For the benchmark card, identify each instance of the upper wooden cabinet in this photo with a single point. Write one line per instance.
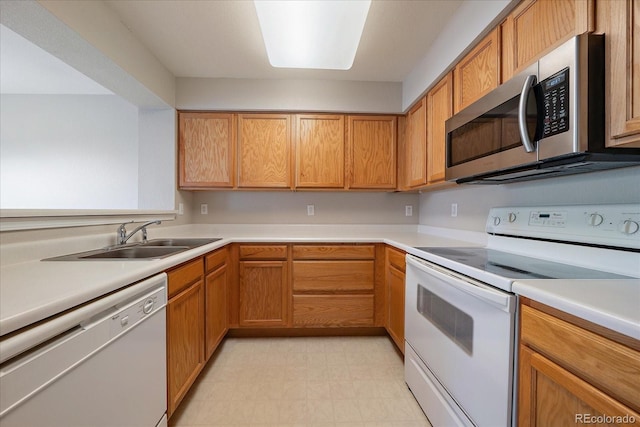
(415, 145)
(372, 152)
(264, 150)
(439, 109)
(620, 21)
(319, 147)
(536, 26)
(478, 72)
(206, 150)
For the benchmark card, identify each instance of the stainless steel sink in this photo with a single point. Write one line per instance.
(189, 242)
(153, 249)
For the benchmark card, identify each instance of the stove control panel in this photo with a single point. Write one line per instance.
(609, 225)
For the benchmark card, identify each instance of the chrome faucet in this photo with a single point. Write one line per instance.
(123, 236)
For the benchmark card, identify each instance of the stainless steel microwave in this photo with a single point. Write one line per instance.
(546, 121)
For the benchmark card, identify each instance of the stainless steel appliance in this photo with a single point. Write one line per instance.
(102, 364)
(546, 121)
(460, 313)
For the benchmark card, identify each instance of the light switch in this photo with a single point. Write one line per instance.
(311, 210)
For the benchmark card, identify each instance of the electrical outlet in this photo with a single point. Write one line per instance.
(204, 209)
(180, 208)
(408, 210)
(454, 209)
(311, 210)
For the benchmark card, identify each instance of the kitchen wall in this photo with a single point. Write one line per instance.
(474, 201)
(68, 151)
(246, 207)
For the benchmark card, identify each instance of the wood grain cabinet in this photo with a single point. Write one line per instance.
(216, 299)
(263, 286)
(439, 110)
(334, 285)
(536, 26)
(320, 151)
(620, 21)
(264, 151)
(570, 369)
(372, 142)
(395, 275)
(206, 146)
(478, 72)
(185, 330)
(415, 146)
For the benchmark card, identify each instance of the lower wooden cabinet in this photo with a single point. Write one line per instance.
(216, 299)
(263, 290)
(395, 275)
(570, 374)
(185, 330)
(333, 285)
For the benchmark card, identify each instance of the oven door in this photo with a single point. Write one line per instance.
(463, 333)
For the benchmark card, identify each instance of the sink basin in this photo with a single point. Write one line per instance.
(137, 252)
(153, 249)
(188, 242)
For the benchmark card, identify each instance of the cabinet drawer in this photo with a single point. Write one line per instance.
(216, 259)
(333, 310)
(333, 276)
(180, 278)
(263, 252)
(606, 364)
(396, 258)
(334, 252)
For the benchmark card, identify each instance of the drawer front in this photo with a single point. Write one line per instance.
(608, 365)
(263, 251)
(334, 252)
(216, 259)
(333, 310)
(333, 276)
(180, 278)
(396, 258)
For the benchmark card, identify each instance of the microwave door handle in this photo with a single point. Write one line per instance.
(522, 113)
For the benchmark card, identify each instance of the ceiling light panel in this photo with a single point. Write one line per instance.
(320, 34)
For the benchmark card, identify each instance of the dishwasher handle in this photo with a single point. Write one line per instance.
(82, 316)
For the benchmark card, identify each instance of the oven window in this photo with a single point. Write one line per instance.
(490, 133)
(452, 321)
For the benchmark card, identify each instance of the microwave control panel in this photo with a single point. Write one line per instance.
(555, 102)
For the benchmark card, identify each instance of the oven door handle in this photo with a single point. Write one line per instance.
(503, 300)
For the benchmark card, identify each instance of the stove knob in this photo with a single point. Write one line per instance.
(512, 217)
(496, 220)
(595, 219)
(629, 227)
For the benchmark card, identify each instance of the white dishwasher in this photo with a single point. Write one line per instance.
(102, 364)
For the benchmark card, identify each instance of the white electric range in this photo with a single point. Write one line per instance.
(461, 310)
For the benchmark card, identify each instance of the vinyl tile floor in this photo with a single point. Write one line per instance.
(287, 382)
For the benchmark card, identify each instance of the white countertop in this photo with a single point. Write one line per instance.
(32, 290)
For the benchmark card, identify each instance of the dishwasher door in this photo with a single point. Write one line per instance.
(109, 369)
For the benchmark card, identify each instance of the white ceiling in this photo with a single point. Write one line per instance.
(222, 39)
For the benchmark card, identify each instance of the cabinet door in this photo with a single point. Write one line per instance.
(478, 72)
(264, 150)
(395, 323)
(536, 26)
(372, 152)
(416, 145)
(263, 293)
(320, 155)
(624, 72)
(185, 342)
(206, 150)
(439, 109)
(552, 396)
(216, 322)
